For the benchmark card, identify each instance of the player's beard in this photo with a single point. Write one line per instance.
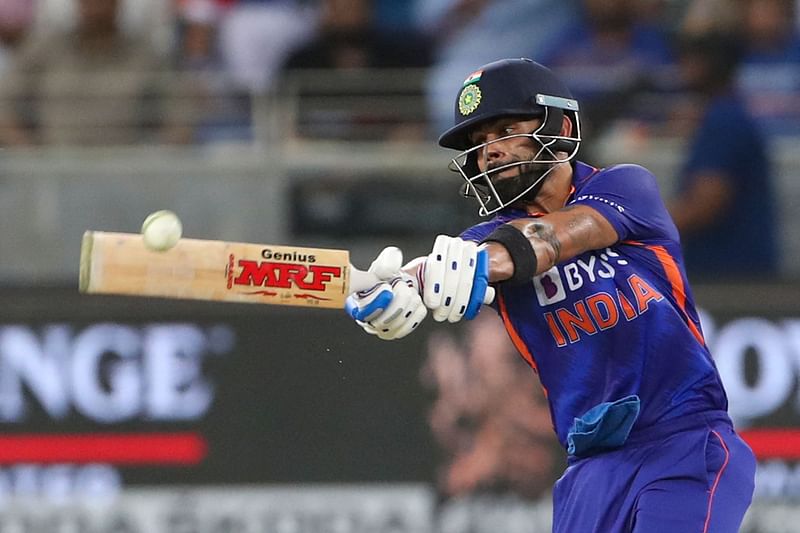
(529, 175)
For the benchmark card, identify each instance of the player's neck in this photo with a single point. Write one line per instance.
(554, 193)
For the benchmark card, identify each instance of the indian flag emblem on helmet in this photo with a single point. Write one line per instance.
(474, 77)
(469, 99)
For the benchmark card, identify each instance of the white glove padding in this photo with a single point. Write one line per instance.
(391, 309)
(455, 279)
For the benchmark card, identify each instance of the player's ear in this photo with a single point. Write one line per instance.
(566, 126)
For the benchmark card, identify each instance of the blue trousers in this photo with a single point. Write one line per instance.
(692, 475)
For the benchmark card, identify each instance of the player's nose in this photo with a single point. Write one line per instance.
(493, 150)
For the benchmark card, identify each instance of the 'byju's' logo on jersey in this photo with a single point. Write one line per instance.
(549, 287)
(552, 286)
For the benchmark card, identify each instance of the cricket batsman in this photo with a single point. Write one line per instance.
(589, 281)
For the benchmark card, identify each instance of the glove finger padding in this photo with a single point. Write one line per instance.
(466, 280)
(403, 315)
(366, 305)
(450, 279)
(390, 310)
(401, 298)
(433, 278)
(449, 276)
(366, 326)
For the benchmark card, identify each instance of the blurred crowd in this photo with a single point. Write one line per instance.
(189, 72)
(617, 56)
(111, 72)
(723, 73)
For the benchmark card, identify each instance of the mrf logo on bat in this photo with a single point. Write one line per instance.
(290, 270)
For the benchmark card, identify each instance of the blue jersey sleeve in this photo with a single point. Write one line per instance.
(480, 231)
(628, 197)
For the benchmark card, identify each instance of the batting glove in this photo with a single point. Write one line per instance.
(456, 279)
(393, 308)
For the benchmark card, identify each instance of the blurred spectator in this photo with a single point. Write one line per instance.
(489, 416)
(471, 33)
(16, 18)
(348, 41)
(725, 207)
(257, 36)
(197, 23)
(608, 58)
(394, 15)
(770, 73)
(151, 19)
(220, 110)
(710, 16)
(348, 37)
(91, 85)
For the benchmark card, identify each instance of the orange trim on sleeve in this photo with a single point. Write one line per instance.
(519, 344)
(676, 281)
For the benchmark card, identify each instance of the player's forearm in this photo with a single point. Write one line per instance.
(546, 247)
(554, 238)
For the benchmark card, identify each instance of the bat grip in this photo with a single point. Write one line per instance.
(361, 280)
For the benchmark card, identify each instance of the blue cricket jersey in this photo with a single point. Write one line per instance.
(615, 322)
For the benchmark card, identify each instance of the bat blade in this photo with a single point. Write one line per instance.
(195, 269)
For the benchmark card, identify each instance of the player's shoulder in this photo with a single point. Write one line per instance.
(624, 176)
(620, 170)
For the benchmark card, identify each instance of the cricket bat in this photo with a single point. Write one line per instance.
(195, 269)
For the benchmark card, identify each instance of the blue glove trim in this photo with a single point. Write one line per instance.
(479, 285)
(379, 303)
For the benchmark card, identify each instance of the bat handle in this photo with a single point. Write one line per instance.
(361, 280)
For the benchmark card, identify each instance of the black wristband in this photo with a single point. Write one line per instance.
(519, 248)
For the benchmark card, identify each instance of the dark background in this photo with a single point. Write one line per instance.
(305, 395)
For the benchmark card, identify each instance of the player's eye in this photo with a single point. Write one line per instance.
(477, 138)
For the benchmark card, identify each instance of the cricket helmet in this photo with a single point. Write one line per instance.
(511, 88)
